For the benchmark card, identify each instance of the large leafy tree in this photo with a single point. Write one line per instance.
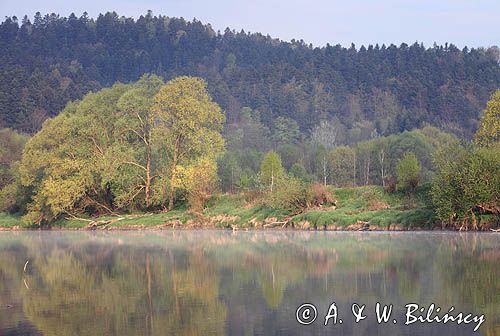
(192, 122)
(120, 148)
(63, 164)
(467, 183)
(138, 161)
(489, 127)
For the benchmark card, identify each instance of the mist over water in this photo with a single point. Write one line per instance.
(243, 283)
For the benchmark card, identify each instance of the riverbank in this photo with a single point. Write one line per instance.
(354, 209)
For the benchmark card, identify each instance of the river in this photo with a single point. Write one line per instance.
(245, 283)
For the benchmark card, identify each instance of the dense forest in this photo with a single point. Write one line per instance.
(154, 146)
(367, 90)
(112, 115)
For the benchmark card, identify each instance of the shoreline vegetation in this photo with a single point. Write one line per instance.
(367, 208)
(177, 124)
(155, 154)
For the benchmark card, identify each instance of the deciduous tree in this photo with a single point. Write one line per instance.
(408, 172)
(192, 122)
(489, 126)
(271, 169)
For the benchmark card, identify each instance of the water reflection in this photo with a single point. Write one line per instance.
(248, 283)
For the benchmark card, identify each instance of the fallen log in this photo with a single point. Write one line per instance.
(274, 224)
(102, 223)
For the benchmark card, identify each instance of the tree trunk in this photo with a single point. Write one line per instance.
(148, 175)
(382, 170)
(367, 173)
(272, 177)
(172, 175)
(354, 170)
(324, 171)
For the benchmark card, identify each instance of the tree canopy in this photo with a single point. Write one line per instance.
(489, 126)
(122, 148)
(51, 60)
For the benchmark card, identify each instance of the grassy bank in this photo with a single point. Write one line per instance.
(361, 207)
(375, 207)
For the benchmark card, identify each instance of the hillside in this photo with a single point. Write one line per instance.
(368, 89)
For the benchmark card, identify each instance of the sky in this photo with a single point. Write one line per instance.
(472, 23)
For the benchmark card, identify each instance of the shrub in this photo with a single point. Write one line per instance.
(293, 194)
(318, 194)
(408, 172)
(390, 185)
(289, 194)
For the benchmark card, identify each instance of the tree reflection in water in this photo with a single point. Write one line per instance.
(214, 283)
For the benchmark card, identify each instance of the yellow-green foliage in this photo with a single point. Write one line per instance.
(289, 193)
(198, 180)
(467, 184)
(489, 127)
(192, 123)
(271, 169)
(118, 148)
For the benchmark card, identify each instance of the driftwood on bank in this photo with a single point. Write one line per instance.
(275, 224)
(284, 223)
(94, 224)
(102, 223)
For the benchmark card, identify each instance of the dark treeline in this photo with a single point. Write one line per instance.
(51, 60)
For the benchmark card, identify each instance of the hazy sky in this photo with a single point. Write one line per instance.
(462, 22)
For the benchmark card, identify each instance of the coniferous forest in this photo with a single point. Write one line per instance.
(50, 60)
(116, 115)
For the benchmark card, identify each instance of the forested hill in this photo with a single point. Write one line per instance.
(387, 89)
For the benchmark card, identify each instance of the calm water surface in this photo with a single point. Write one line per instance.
(244, 283)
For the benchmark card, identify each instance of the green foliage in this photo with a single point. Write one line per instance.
(79, 161)
(343, 163)
(371, 204)
(54, 60)
(191, 123)
(9, 221)
(408, 172)
(11, 148)
(289, 194)
(248, 133)
(271, 170)
(292, 194)
(229, 171)
(368, 204)
(249, 181)
(114, 150)
(489, 126)
(299, 172)
(286, 131)
(467, 183)
(12, 194)
(198, 180)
